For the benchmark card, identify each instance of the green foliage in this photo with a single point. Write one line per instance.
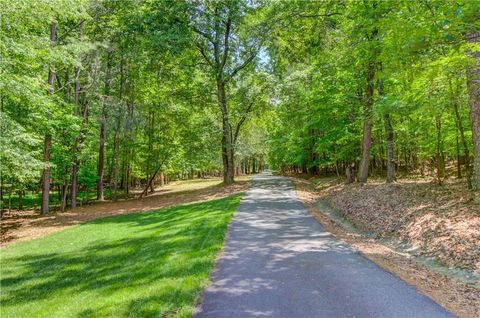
(418, 52)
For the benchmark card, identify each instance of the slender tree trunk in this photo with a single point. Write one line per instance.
(103, 128)
(10, 199)
(47, 143)
(459, 164)
(463, 140)
(48, 138)
(350, 173)
(440, 158)
(474, 92)
(227, 147)
(101, 158)
(20, 200)
(150, 182)
(76, 146)
(114, 174)
(367, 125)
(389, 137)
(391, 176)
(63, 201)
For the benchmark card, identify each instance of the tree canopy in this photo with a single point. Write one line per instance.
(109, 96)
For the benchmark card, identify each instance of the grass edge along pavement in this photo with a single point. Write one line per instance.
(147, 264)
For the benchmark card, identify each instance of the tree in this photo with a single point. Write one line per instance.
(227, 48)
(474, 92)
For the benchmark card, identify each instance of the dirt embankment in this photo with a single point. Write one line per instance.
(442, 222)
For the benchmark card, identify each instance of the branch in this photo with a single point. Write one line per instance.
(204, 54)
(204, 34)
(70, 30)
(324, 15)
(228, 25)
(242, 120)
(242, 66)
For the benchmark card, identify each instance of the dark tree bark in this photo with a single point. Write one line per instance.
(63, 201)
(114, 163)
(227, 145)
(350, 174)
(48, 137)
(367, 125)
(389, 136)
(20, 200)
(474, 92)
(371, 68)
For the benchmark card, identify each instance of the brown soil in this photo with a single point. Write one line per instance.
(460, 298)
(25, 225)
(441, 221)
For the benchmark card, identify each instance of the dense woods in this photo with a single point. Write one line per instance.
(103, 99)
(378, 87)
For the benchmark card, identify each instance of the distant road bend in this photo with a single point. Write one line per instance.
(279, 261)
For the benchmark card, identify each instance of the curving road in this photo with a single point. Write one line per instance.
(278, 261)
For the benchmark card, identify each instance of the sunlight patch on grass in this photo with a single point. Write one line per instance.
(149, 264)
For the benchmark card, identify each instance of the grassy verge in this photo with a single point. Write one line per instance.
(136, 265)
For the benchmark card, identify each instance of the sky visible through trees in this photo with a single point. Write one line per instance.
(105, 97)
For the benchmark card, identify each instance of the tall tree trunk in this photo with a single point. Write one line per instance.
(440, 157)
(48, 137)
(114, 162)
(74, 185)
(463, 140)
(101, 157)
(366, 146)
(103, 128)
(63, 201)
(391, 175)
(20, 200)
(474, 92)
(367, 128)
(47, 143)
(227, 147)
(75, 145)
(459, 164)
(389, 137)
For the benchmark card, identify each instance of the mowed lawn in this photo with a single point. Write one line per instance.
(151, 264)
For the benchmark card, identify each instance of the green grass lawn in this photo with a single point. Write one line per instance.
(151, 264)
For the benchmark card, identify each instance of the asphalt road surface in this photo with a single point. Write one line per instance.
(278, 261)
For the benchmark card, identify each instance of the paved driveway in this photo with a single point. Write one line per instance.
(279, 262)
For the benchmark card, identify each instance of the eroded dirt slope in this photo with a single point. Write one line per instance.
(443, 222)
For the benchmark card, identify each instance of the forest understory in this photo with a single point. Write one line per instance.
(28, 224)
(436, 226)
